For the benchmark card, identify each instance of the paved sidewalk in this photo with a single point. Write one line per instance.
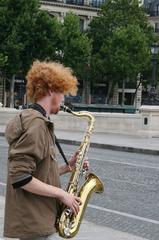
(88, 231)
(2, 129)
(120, 142)
(113, 141)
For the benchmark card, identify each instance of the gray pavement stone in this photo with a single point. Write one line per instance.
(88, 230)
(120, 142)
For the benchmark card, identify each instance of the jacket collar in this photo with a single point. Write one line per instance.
(39, 108)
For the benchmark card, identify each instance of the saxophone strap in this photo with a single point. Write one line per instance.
(61, 151)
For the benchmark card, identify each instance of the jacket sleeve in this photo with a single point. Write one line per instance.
(26, 153)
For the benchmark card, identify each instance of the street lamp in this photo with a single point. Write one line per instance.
(152, 95)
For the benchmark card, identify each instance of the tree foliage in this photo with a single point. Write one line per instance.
(75, 45)
(26, 33)
(121, 37)
(3, 60)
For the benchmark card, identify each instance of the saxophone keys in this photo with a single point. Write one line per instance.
(67, 231)
(68, 212)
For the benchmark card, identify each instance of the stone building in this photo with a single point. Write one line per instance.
(152, 8)
(85, 9)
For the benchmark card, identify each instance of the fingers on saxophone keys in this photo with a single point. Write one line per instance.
(76, 205)
(86, 165)
(76, 208)
(78, 200)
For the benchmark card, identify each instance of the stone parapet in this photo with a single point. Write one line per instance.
(6, 114)
(104, 122)
(144, 123)
(150, 119)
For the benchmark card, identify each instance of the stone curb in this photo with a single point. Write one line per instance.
(109, 146)
(113, 147)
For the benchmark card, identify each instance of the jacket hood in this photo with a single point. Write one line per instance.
(14, 129)
(18, 125)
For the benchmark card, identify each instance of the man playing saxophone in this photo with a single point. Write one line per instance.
(33, 192)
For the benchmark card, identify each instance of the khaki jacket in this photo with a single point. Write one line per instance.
(31, 151)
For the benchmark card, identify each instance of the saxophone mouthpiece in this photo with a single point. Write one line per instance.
(65, 109)
(62, 108)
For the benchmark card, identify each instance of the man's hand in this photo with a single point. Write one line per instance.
(72, 164)
(71, 201)
(35, 186)
(72, 161)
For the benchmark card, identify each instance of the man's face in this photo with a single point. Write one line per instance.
(56, 100)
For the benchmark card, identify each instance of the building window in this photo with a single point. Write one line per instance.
(156, 27)
(81, 24)
(157, 9)
(96, 3)
(75, 2)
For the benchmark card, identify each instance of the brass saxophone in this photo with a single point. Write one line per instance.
(68, 224)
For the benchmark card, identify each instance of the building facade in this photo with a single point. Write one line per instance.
(85, 9)
(152, 8)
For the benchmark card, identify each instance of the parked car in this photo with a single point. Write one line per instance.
(24, 106)
(73, 99)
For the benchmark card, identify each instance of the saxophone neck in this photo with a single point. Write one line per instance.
(78, 114)
(82, 114)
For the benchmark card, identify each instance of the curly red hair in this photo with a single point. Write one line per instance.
(45, 76)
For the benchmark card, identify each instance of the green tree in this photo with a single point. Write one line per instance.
(75, 48)
(121, 37)
(26, 33)
(3, 60)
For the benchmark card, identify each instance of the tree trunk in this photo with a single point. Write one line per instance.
(12, 92)
(138, 93)
(86, 94)
(123, 93)
(4, 89)
(83, 90)
(108, 98)
(1, 90)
